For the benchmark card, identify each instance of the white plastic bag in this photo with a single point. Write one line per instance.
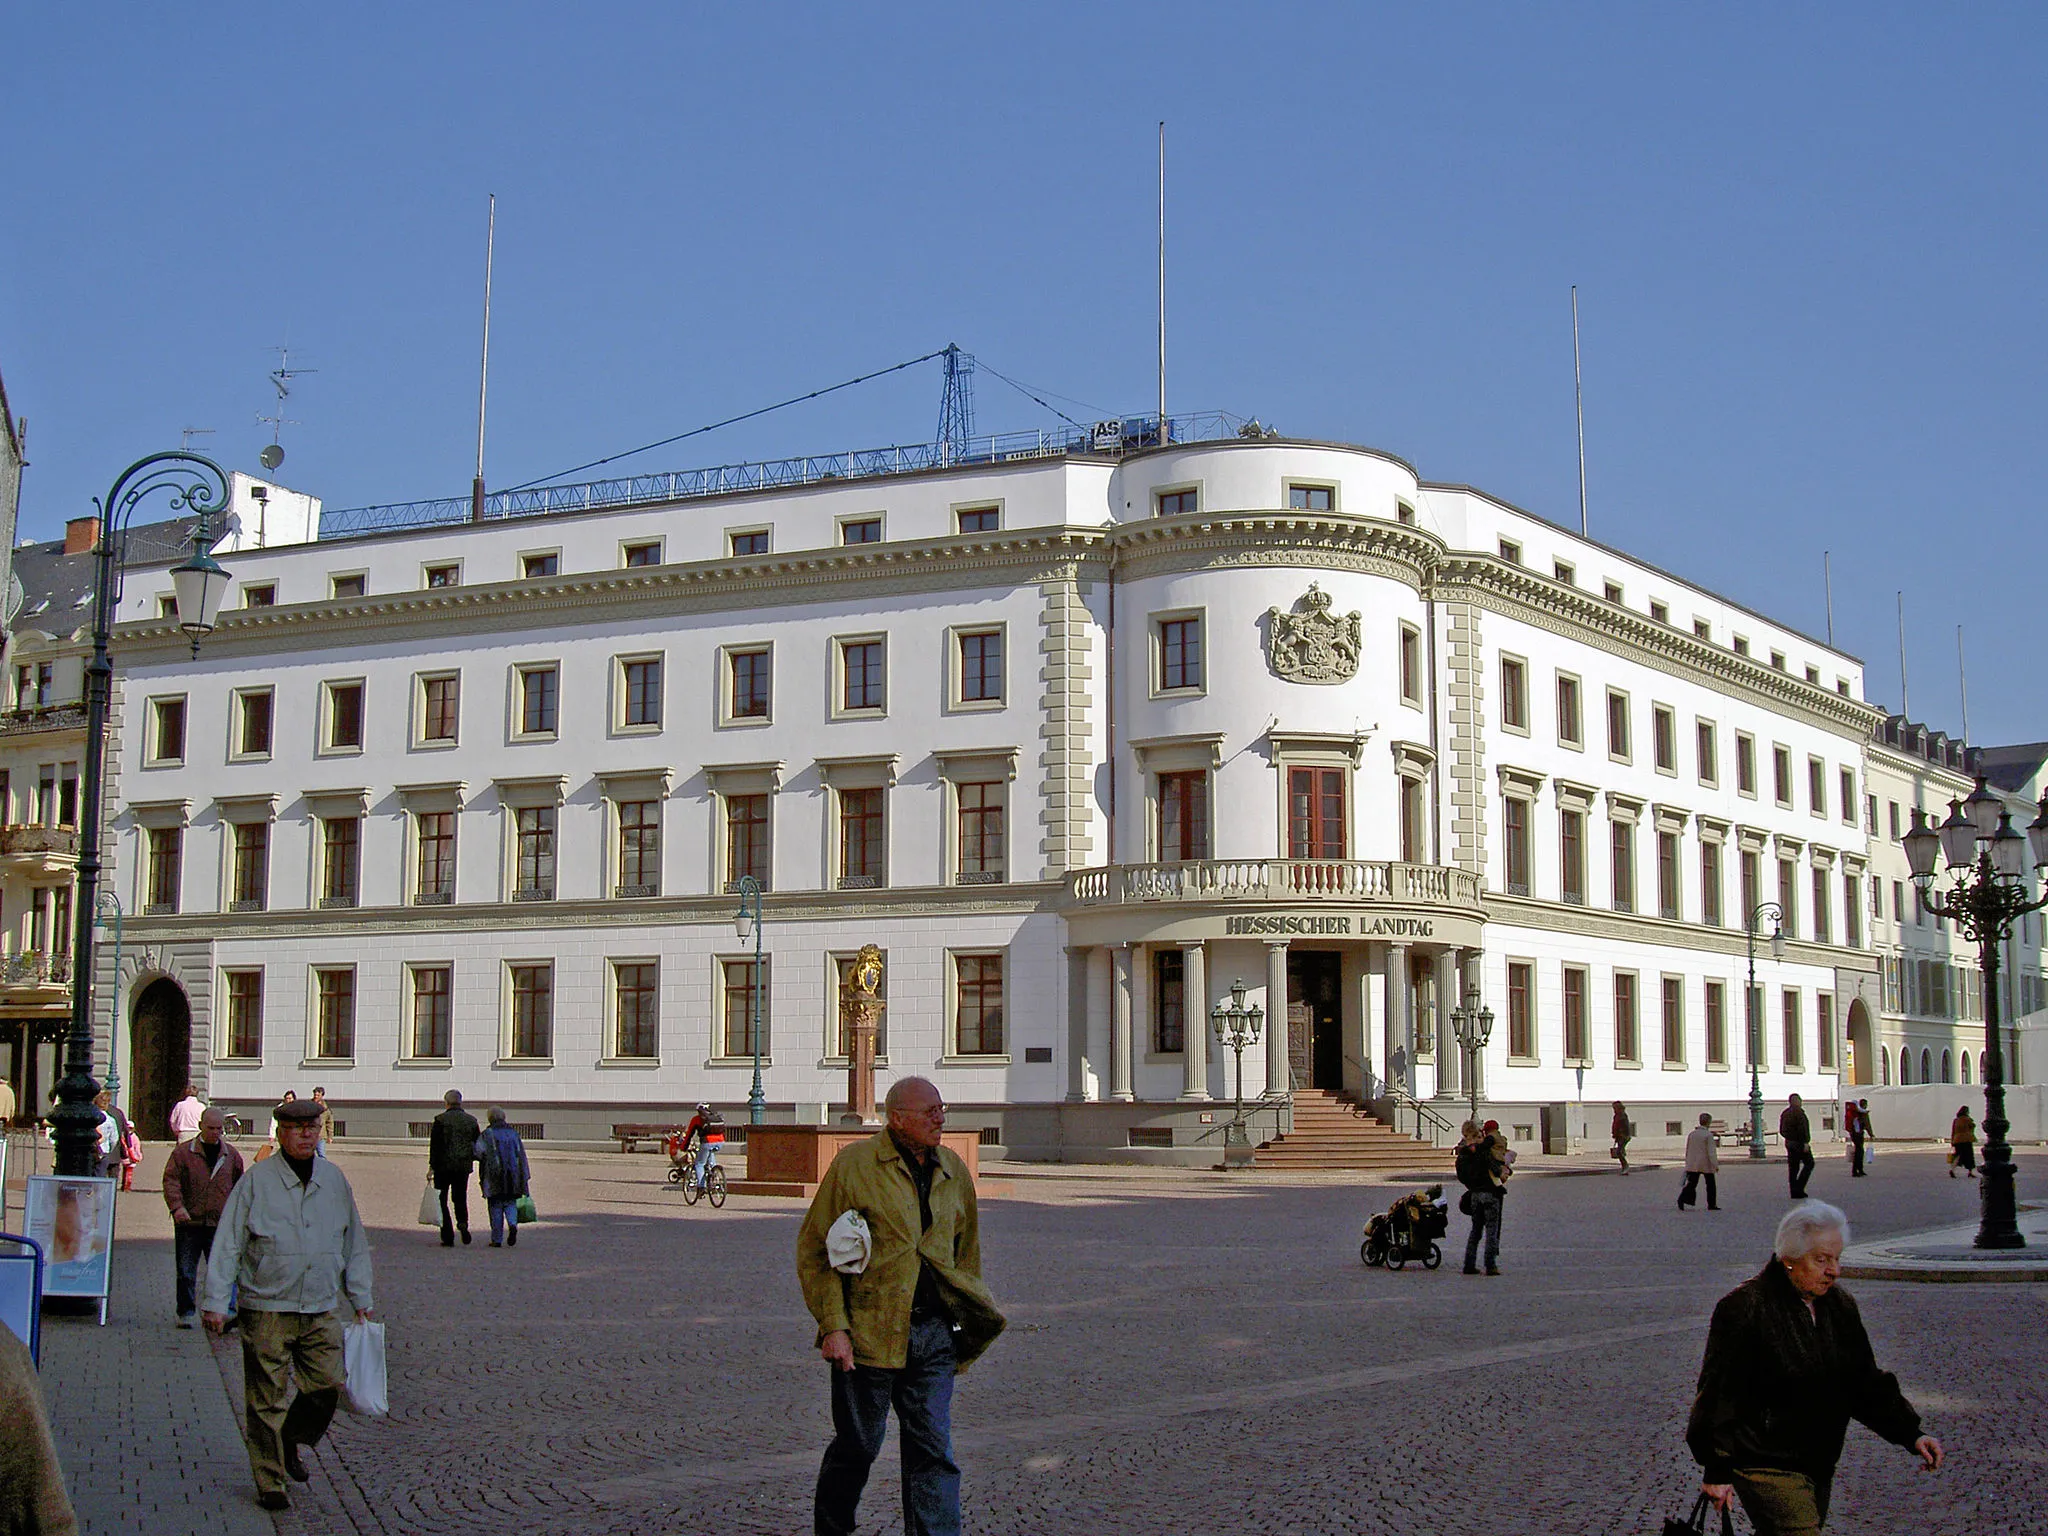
(849, 1243)
(362, 1353)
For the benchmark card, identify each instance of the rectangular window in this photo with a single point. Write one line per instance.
(443, 576)
(1824, 1030)
(1848, 789)
(1816, 786)
(440, 707)
(1183, 816)
(1781, 775)
(980, 809)
(1515, 841)
(1795, 1053)
(1521, 1010)
(743, 1026)
(537, 567)
(341, 843)
(1823, 928)
(1745, 765)
(1893, 806)
(1622, 839)
(1569, 729)
(344, 717)
(1705, 753)
(245, 1015)
(533, 1012)
(861, 530)
(1312, 498)
(1611, 590)
(1565, 572)
(252, 723)
(435, 880)
(641, 553)
(1717, 1023)
(1514, 694)
(1571, 856)
(639, 848)
(344, 587)
(746, 840)
(1575, 1042)
(539, 693)
(1788, 895)
(1180, 653)
(1752, 877)
(1852, 913)
(1664, 738)
(981, 666)
(1674, 1019)
(752, 542)
(861, 675)
(251, 878)
(432, 1015)
(167, 606)
(335, 1013)
(1710, 884)
(1661, 612)
(1667, 875)
(1175, 503)
(1315, 813)
(1617, 726)
(1410, 664)
(641, 681)
(861, 839)
(979, 519)
(636, 1010)
(1414, 822)
(535, 878)
(978, 1005)
(166, 855)
(1511, 552)
(1627, 1041)
(1169, 1001)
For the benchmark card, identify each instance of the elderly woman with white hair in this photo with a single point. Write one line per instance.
(1788, 1365)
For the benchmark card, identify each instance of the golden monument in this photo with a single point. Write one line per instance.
(860, 1011)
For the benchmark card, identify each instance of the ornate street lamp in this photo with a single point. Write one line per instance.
(196, 485)
(1473, 1026)
(1987, 861)
(1756, 1016)
(747, 924)
(1237, 1027)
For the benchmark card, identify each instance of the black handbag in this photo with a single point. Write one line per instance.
(1465, 1203)
(1695, 1524)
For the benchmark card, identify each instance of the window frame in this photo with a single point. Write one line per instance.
(527, 557)
(239, 720)
(163, 896)
(877, 877)
(956, 982)
(1162, 494)
(1664, 739)
(231, 1025)
(1627, 1020)
(622, 693)
(337, 580)
(1514, 693)
(248, 865)
(1408, 663)
(729, 656)
(156, 756)
(761, 1027)
(851, 520)
(1625, 753)
(519, 730)
(762, 531)
(963, 510)
(1572, 682)
(1745, 765)
(1522, 1013)
(430, 570)
(841, 710)
(1671, 1016)
(1714, 1022)
(409, 1037)
(1161, 667)
(423, 684)
(317, 1021)
(326, 745)
(613, 1052)
(630, 549)
(417, 894)
(1307, 489)
(326, 844)
(957, 636)
(1583, 1027)
(509, 1054)
(1706, 764)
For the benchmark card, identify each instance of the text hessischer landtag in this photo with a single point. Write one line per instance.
(1331, 924)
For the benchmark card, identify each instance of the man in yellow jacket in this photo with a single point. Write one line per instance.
(897, 1329)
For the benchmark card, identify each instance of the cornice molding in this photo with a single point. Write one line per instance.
(1660, 932)
(1198, 541)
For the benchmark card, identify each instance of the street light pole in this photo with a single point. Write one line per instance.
(199, 486)
(747, 923)
(1987, 860)
(1473, 1024)
(1237, 1027)
(1755, 1008)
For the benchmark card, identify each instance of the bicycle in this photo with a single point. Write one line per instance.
(712, 1183)
(234, 1127)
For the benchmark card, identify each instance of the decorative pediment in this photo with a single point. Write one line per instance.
(1312, 644)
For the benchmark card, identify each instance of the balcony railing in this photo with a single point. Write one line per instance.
(1347, 880)
(62, 841)
(34, 969)
(42, 717)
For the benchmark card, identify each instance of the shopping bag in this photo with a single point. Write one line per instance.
(362, 1355)
(430, 1207)
(525, 1207)
(1696, 1523)
(849, 1244)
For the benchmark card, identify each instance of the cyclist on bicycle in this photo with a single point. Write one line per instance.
(706, 1130)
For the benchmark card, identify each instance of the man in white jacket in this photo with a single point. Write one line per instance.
(290, 1236)
(1702, 1160)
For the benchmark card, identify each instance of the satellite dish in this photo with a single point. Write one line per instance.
(271, 457)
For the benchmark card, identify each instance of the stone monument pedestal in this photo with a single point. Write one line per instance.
(792, 1159)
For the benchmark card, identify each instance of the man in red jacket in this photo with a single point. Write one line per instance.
(197, 1180)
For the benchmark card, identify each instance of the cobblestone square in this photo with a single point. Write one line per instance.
(1186, 1354)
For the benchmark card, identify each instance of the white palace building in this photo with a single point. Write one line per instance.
(1082, 736)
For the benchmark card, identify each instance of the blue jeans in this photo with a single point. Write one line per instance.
(192, 1243)
(1485, 1218)
(922, 1394)
(703, 1163)
(504, 1217)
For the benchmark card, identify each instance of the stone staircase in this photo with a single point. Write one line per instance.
(1334, 1130)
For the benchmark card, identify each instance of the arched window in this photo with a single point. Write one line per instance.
(1905, 1067)
(1926, 1065)
(1948, 1066)
(1884, 1067)
(1966, 1066)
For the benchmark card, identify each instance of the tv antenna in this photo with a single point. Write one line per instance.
(191, 432)
(281, 380)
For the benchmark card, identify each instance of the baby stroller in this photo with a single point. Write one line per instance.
(1409, 1230)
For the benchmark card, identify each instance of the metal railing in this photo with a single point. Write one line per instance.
(42, 717)
(39, 839)
(1114, 438)
(1273, 880)
(1425, 1124)
(35, 969)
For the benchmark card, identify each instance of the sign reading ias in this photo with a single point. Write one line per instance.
(1332, 925)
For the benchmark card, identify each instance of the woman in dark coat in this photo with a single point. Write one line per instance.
(1788, 1366)
(503, 1172)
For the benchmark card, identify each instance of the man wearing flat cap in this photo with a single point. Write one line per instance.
(291, 1238)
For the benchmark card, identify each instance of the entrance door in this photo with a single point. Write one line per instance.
(159, 1056)
(1315, 986)
(1859, 1043)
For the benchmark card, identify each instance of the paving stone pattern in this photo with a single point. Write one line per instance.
(1186, 1355)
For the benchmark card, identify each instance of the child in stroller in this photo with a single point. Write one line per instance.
(1409, 1230)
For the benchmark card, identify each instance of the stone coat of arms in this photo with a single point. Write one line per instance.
(1312, 644)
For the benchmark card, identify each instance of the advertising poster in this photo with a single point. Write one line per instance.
(73, 1220)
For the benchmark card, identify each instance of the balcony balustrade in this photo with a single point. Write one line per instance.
(1276, 880)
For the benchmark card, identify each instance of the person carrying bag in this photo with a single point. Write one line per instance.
(1696, 1523)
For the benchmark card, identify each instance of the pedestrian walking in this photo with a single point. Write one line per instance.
(7, 1103)
(184, 1116)
(290, 1097)
(293, 1242)
(451, 1155)
(505, 1177)
(32, 1497)
(1860, 1132)
(1962, 1143)
(326, 1121)
(899, 1317)
(116, 1139)
(198, 1179)
(1796, 1132)
(1484, 1173)
(1702, 1161)
(1787, 1365)
(1623, 1130)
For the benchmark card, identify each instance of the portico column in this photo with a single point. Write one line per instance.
(1194, 992)
(1368, 976)
(1279, 1082)
(1120, 1025)
(1399, 1023)
(1101, 982)
(1077, 1024)
(1450, 1055)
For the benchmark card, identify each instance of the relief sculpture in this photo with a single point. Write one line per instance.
(1312, 644)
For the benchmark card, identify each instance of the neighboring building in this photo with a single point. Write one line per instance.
(1080, 738)
(13, 459)
(2020, 773)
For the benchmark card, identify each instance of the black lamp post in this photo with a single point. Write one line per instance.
(1988, 861)
(195, 485)
(1237, 1027)
(1473, 1024)
(747, 924)
(1756, 1017)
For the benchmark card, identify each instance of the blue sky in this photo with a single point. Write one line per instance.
(1808, 243)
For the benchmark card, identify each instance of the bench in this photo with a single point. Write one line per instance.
(629, 1137)
(1723, 1132)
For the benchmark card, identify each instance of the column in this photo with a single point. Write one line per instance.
(1279, 1084)
(1446, 1043)
(1120, 1025)
(1077, 1024)
(1195, 1006)
(1399, 1030)
(1101, 982)
(1368, 978)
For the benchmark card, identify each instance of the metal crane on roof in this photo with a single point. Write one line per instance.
(956, 404)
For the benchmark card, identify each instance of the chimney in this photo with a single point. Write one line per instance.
(81, 535)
